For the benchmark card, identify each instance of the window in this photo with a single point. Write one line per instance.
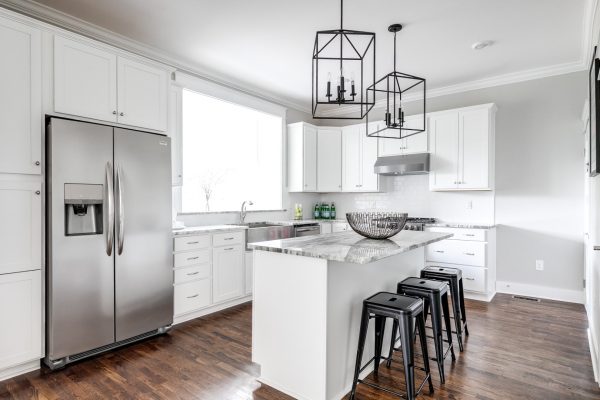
(231, 153)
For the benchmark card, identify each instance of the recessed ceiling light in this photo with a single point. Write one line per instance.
(482, 45)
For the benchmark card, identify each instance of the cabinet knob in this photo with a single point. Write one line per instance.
(37, 163)
(121, 114)
(114, 113)
(38, 192)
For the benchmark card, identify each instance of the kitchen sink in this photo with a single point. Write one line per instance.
(263, 231)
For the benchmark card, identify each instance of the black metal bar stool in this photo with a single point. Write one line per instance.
(435, 296)
(454, 278)
(403, 310)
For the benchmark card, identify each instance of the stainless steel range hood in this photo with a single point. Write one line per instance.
(409, 164)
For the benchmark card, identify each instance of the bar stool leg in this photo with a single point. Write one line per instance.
(364, 324)
(423, 340)
(457, 315)
(408, 357)
(379, 331)
(463, 310)
(448, 324)
(392, 342)
(436, 322)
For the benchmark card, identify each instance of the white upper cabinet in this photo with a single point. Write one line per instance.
(142, 95)
(462, 148)
(412, 144)
(95, 82)
(329, 160)
(358, 160)
(85, 80)
(21, 226)
(302, 157)
(20, 98)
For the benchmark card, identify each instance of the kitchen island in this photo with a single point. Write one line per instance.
(308, 295)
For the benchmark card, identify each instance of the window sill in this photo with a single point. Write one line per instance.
(228, 212)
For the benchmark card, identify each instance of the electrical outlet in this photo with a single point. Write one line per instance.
(539, 265)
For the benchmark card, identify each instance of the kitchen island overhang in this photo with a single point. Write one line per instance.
(308, 295)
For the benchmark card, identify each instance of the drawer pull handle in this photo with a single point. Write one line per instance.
(192, 242)
(470, 254)
(470, 279)
(229, 248)
(469, 234)
(439, 251)
(229, 238)
(193, 273)
(191, 297)
(193, 258)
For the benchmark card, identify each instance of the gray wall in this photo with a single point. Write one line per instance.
(539, 177)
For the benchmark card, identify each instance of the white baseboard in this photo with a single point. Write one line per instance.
(19, 369)
(487, 297)
(205, 311)
(544, 292)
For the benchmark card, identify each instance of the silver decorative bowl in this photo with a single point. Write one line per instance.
(377, 225)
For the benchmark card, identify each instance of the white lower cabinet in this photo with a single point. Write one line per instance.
(228, 273)
(21, 316)
(325, 227)
(339, 227)
(249, 267)
(209, 271)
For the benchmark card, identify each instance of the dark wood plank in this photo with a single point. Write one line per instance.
(517, 350)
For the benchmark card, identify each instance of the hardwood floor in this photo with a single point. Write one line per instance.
(517, 350)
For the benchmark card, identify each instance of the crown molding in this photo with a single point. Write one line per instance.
(70, 23)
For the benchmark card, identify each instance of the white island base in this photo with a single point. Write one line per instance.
(306, 318)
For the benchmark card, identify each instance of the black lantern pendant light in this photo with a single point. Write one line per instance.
(396, 87)
(343, 67)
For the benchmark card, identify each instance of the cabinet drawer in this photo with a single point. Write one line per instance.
(457, 252)
(461, 233)
(229, 238)
(192, 273)
(192, 296)
(474, 278)
(191, 242)
(192, 258)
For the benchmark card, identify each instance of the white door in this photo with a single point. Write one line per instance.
(416, 143)
(473, 153)
(351, 159)
(309, 147)
(20, 227)
(443, 131)
(228, 273)
(85, 80)
(329, 160)
(20, 98)
(368, 151)
(142, 95)
(21, 316)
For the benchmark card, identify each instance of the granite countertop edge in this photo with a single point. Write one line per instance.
(193, 230)
(463, 225)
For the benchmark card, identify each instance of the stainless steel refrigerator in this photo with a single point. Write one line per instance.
(109, 246)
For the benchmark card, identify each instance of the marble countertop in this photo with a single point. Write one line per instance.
(192, 230)
(349, 246)
(464, 225)
(307, 221)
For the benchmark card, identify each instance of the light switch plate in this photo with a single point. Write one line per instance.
(539, 265)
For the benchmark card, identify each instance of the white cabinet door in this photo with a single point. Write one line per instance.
(85, 80)
(416, 143)
(473, 171)
(142, 95)
(325, 227)
(443, 133)
(391, 147)
(21, 316)
(309, 168)
(228, 273)
(368, 152)
(351, 159)
(20, 227)
(329, 160)
(249, 273)
(175, 135)
(20, 98)
(339, 227)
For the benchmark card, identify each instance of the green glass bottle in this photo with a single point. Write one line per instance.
(317, 212)
(325, 211)
(332, 212)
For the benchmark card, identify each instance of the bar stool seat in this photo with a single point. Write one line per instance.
(404, 310)
(435, 296)
(454, 278)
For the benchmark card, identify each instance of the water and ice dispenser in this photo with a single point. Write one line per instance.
(83, 209)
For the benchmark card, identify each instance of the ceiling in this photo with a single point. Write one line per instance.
(265, 45)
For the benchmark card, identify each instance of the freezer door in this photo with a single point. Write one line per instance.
(80, 271)
(143, 235)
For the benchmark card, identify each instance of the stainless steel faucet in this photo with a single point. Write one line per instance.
(243, 210)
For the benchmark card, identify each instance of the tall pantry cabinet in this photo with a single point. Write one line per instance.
(21, 126)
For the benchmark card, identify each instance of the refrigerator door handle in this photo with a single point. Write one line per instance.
(121, 213)
(110, 208)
